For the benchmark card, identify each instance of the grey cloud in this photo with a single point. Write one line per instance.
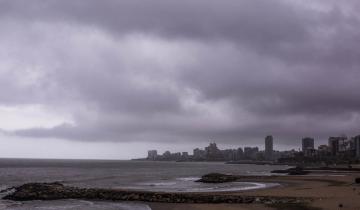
(261, 23)
(276, 28)
(186, 70)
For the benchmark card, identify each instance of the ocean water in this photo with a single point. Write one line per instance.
(139, 175)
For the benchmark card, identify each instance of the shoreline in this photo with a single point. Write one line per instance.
(238, 186)
(323, 190)
(57, 191)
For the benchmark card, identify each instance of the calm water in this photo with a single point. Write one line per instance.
(152, 176)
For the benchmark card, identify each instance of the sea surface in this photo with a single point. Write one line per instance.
(139, 175)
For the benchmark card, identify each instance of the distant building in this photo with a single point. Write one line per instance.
(336, 144)
(176, 156)
(323, 152)
(198, 154)
(339, 150)
(239, 154)
(212, 152)
(307, 144)
(357, 145)
(166, 155)
(229, 154)
(323, 148)
(185, 156)
(152, 155)
(269, 148)
(251, 152)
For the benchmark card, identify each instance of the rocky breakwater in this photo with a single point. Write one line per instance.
(54, 191)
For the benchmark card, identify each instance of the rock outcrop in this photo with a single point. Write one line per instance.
(357, 180)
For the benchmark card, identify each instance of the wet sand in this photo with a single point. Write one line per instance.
(171, 206)
(320, 190)
(326, 191)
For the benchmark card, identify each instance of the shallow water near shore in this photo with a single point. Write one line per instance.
(138, 175)
(72, 205)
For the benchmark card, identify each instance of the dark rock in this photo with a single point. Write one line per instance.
(357, 180)
(53, 191)
(34, 190)
(285, 171)
(292, 171)
(298, 172)
(217, 178)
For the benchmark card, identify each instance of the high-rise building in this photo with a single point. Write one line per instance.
(323, 151)
(239, 154)
(250, 152)
(152, 155)
(166, 155)
(357, 146)
(175, 156)
(335, 144)
(307, 144)
(184, 155)
(269, 148)
(212, 152)
(199, 154)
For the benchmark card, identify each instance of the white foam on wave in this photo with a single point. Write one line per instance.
(5, 190)
(188, 184)
(86, 202)
(188, 178)
(254, 186)
(239, 186)
(155, 184)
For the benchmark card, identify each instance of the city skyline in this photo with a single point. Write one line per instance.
(261, 145)
(339, 150)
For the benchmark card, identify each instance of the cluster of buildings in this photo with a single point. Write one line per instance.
(213, 153)
(338, 149)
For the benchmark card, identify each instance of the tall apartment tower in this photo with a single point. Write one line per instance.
(269, 147)
(307, 144)
(336, 144)
(152, 155)
(357, 146)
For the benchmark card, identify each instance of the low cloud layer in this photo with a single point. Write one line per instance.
(183, 71)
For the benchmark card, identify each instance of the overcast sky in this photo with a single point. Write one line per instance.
(112, 79)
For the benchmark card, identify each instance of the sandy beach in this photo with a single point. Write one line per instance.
(326, 191)
(170, 206)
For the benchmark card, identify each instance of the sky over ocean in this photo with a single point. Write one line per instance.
(111, 79)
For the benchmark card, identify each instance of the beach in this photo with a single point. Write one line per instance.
(167, 206)
(325, 191)
(176, 181)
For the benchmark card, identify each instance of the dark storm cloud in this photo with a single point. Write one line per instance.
(274, 27)
(231, 19)
(185, 70)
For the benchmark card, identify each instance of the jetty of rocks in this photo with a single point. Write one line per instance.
(54, 191)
